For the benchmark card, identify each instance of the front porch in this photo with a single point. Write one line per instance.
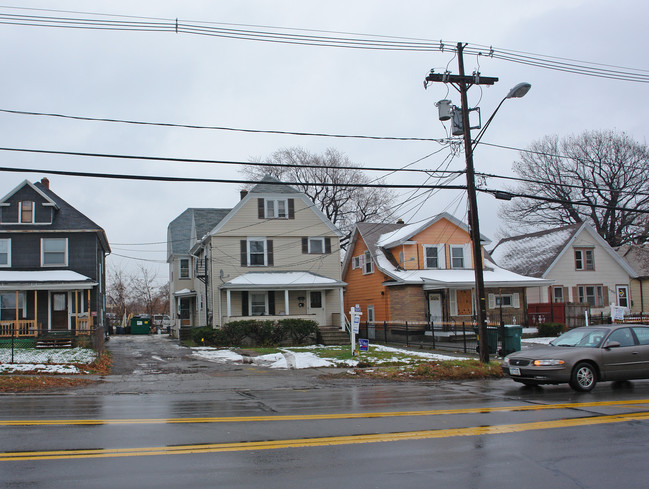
(29, 328)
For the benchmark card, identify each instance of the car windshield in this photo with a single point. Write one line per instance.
(586, 337)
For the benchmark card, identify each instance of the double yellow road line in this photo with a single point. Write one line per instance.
(329, 441)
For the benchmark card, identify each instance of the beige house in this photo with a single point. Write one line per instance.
(638, 257)
(271, 256)
(582, 265)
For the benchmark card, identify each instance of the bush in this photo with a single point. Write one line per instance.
(550, 329)
(299, 329)
(205, 335)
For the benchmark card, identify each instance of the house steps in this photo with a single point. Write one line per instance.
(332, 335)
(54, 343)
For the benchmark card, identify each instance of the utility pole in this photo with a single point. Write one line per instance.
(462, 83)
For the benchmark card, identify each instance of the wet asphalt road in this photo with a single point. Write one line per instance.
(167, 419)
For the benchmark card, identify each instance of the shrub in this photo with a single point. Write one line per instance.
(205, 335)
(550, 329)
(298, 330)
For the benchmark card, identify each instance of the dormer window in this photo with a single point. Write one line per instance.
(276, 209)
(26, 212)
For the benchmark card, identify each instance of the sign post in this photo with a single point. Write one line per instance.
(355, 317)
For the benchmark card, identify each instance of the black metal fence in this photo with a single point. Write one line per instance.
(53, 347)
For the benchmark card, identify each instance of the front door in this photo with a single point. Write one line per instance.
(435, 309)
(59, 311)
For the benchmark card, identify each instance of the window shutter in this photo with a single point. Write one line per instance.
(260, 208)
(468, 263)
(244, 303)
(492, 301)
(565, 294)
(575, 294)
(269, 252)
(453, 302)
(244, 253)
(516, 302)
(605, 295)
(441, 256)
(305, 245)
(328, 246)
(271, 302)
(291, 209)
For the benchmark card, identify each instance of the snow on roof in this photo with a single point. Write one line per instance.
(281, 279)
(494, 276)
(532, 254)
(39, 276)
(398, 234)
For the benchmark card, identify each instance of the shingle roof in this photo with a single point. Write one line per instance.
(637, 256)
(532, 254)
(270, 185)
(179, 231)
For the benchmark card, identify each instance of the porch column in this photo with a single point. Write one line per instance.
(342, 310)
(17, 317)
(229, 302)
(36, 312)
(286, 311)
(89, 311)
(76, 311)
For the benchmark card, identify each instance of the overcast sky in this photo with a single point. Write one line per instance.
(214, 81)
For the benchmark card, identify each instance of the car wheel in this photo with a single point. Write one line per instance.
(583, 378)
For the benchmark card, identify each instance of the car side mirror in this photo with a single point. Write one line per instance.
(612, 344)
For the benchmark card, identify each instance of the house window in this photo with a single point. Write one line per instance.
(584, 260)
(497, 301)
(316, 299)
(258, 303)
(368, 264)
(276, 209)
(316, 245)
(256, 252)
(457, 256)
(622, 295)
(431, 254)
(5, 252)
(54, 252)
(183, 270)
(8, 305)
(591, 294)
(557, 293)
(356, 262)
(27, 212)
(370, 314)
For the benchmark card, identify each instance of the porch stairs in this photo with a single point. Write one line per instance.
(332, 335)
(53, 340)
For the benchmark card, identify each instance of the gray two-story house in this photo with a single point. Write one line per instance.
(52, 264)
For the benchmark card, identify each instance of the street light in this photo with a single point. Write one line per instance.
(469, 146)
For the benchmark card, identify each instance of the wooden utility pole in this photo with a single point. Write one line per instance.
(462, 83)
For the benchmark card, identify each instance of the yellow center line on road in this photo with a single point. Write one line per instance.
(311, 417)
(321, 441)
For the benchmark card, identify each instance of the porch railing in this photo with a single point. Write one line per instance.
(84, 325)
(22, 327)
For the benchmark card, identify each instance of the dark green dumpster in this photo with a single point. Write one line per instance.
(512, 341)
(492, 340)
(140, 325)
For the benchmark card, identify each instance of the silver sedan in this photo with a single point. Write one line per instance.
(584, 356)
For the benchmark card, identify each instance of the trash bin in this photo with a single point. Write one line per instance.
(492, 340)
(512, 341)
(140, 325)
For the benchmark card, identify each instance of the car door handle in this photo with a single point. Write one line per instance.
(634, 353)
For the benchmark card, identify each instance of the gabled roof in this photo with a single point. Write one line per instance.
(191, 225)
(66, 217)
(637, 256)
(535, 254)
(29, 184)
(271, 187)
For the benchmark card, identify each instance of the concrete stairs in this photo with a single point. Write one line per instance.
(332, 335)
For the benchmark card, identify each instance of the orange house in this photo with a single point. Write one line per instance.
(423, 273)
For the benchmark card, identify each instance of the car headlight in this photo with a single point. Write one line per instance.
(506, 361)
(547, 363)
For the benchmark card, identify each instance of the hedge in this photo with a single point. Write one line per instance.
(257, 333)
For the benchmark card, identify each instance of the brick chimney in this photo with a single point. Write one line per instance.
(45, 182)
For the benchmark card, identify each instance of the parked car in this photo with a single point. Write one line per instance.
(584, 356)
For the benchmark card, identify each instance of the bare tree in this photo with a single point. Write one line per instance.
(145, 290)
(119, 291)
(605, 171)
(342, 204)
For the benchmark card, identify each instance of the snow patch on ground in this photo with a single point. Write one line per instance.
(41, 368)
(48, 355)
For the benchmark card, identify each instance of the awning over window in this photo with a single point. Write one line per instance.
(282, 280)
